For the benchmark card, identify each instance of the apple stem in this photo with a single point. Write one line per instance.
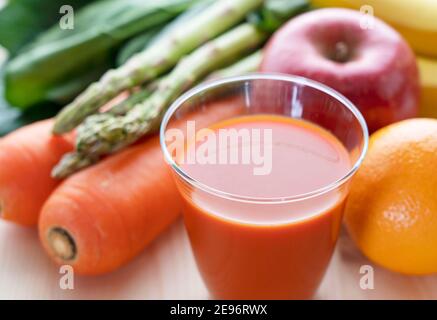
(341, 53)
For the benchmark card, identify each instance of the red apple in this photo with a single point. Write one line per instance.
(375, 68)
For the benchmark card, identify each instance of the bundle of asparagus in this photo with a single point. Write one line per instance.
(156, 60)
(106, 133)
(198, 50)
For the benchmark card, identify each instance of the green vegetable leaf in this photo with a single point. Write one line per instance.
(142, 41)
(58, 55)
(12, 118)
(275, 13)
(34, 16)
(136, 45)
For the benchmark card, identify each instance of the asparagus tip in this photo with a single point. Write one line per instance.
(71, 163)
(59, 127)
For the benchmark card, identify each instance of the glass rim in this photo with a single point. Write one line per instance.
(208, 85)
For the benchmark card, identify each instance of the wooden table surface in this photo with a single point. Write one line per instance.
(166, 270)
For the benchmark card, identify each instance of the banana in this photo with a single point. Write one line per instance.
(415, 20)
(428, 80)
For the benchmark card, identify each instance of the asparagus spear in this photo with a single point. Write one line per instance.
(141, 42)
(105, 133)
(70, 163)
(155, 60)
(135, 97)
(250, 63)
(245, 65)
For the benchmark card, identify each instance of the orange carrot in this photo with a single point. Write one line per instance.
(27, 156)
(102, 217)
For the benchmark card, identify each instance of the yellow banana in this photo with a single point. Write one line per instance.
(415, 20)
(428, 79)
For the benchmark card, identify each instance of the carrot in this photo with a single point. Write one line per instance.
(27, 156)
(102, 217)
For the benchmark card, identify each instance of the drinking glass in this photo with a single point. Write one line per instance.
(240, 258)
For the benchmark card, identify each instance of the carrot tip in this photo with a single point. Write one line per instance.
(62, 244)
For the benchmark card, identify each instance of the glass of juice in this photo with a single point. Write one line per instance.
(263, 163)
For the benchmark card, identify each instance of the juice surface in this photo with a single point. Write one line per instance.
(250, 250)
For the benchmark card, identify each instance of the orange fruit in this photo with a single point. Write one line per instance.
(391, 212)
